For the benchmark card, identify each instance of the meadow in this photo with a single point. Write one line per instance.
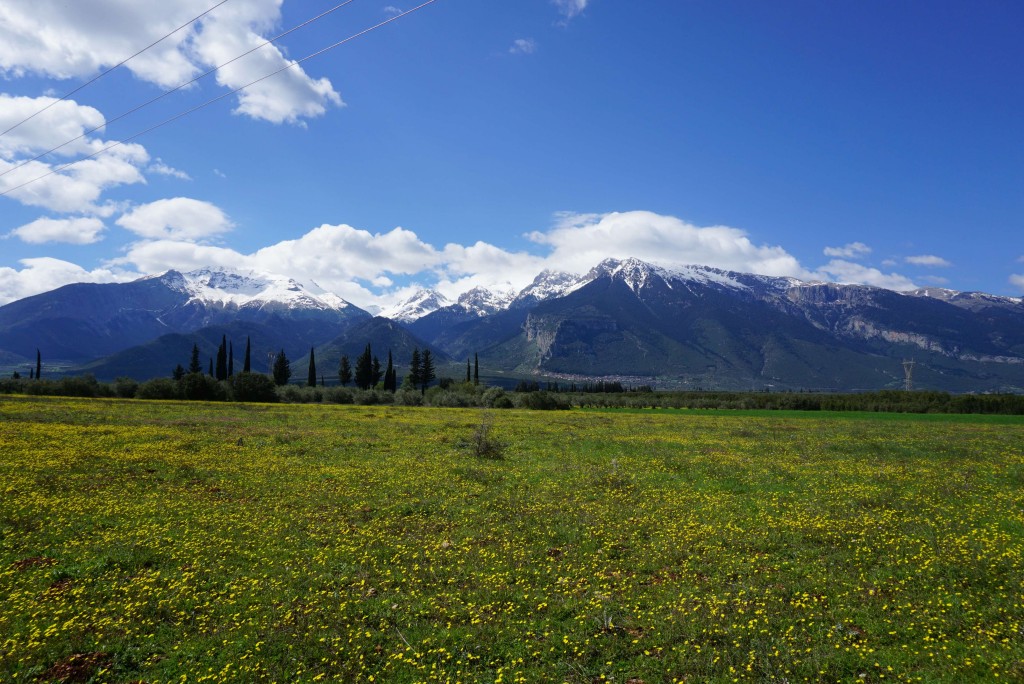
(187, 542)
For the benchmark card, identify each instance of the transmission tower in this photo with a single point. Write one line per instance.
(908, 373)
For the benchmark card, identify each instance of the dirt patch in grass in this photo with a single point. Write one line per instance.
(77, 667)
(33, 562)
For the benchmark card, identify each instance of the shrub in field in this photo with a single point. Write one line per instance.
(293, 394)
(339, 395)
(255, 387)
(201, 387)
(543, 401)
(482, 442)
(448, 398)
(159, 388)
(408, 397)
(495, 397)
(125, 388)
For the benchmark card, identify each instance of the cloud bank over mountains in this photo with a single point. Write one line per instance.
(378, 269)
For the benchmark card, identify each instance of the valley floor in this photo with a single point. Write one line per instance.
(166, 541)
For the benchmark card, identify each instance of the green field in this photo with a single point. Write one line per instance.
(173, 542)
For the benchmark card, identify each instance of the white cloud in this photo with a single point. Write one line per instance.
(364, 267)
(570, 8)
(579, 242)
(45, 274)
(77, 188)
(927, 260)
(851, 250)
(523, 46)
(76, 231)
(160, 168)
(392, 10)
(847, 272)
(180, 218)
(1017, 280)
(59, 39)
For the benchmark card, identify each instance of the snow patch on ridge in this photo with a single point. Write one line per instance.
(242, 289)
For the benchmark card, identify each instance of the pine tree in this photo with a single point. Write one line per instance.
(364, 369)
(231, 359)
(311, 377)
(246, 366)
(282, 369)
(415, 368)
(345, 371)
(193, 366)
(476, 368)
(178, 373)
(39, 364)
(426, 369)
(222, 359)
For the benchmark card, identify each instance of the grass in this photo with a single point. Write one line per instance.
(158, 542)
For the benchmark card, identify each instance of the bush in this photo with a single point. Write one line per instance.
(339, 395)
(482, 442)
(125, 388)
(159, 388)
(255, 387)
(408, 397)
(543, 401)
(201, 387)
(294, 394)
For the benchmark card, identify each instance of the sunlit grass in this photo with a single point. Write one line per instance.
(211, 542)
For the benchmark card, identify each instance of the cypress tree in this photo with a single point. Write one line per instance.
(211, 367)
(222, 359)
(390, 380)
(231, 359)
(467, 370)
(415, 368)
(344, 371)
(178, 373)
(282, 369)
(476, 368)
(377, 373)
(39, 364)
(426, 369)
(311, 377)
(193, 366)
(246, 366)
(364, 369)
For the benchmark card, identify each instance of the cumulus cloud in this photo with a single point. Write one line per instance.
(523, 46)
(850, 250)
(578, 242)
(45, 274)
(76, 231)
(179, 218)
(570, 8)
(364, 267)
(928, 260)
(64, 40)
(1017, 280)
(98, 164)
(848, 272)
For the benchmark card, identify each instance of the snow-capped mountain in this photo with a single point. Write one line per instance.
(417, 306)
(251, 290)
(548, 285)
(483, 302)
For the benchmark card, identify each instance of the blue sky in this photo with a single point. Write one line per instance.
(476, 142)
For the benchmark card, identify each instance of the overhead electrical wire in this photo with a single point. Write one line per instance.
(174, 89)
(119, 64)
(219, 97)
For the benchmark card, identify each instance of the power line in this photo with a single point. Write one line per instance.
(219, 98)
(173, 90)
(119, 64)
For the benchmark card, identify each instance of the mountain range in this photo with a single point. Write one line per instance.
(672, 327)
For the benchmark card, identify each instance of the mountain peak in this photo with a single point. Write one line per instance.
(250, 289)
(421, 303)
